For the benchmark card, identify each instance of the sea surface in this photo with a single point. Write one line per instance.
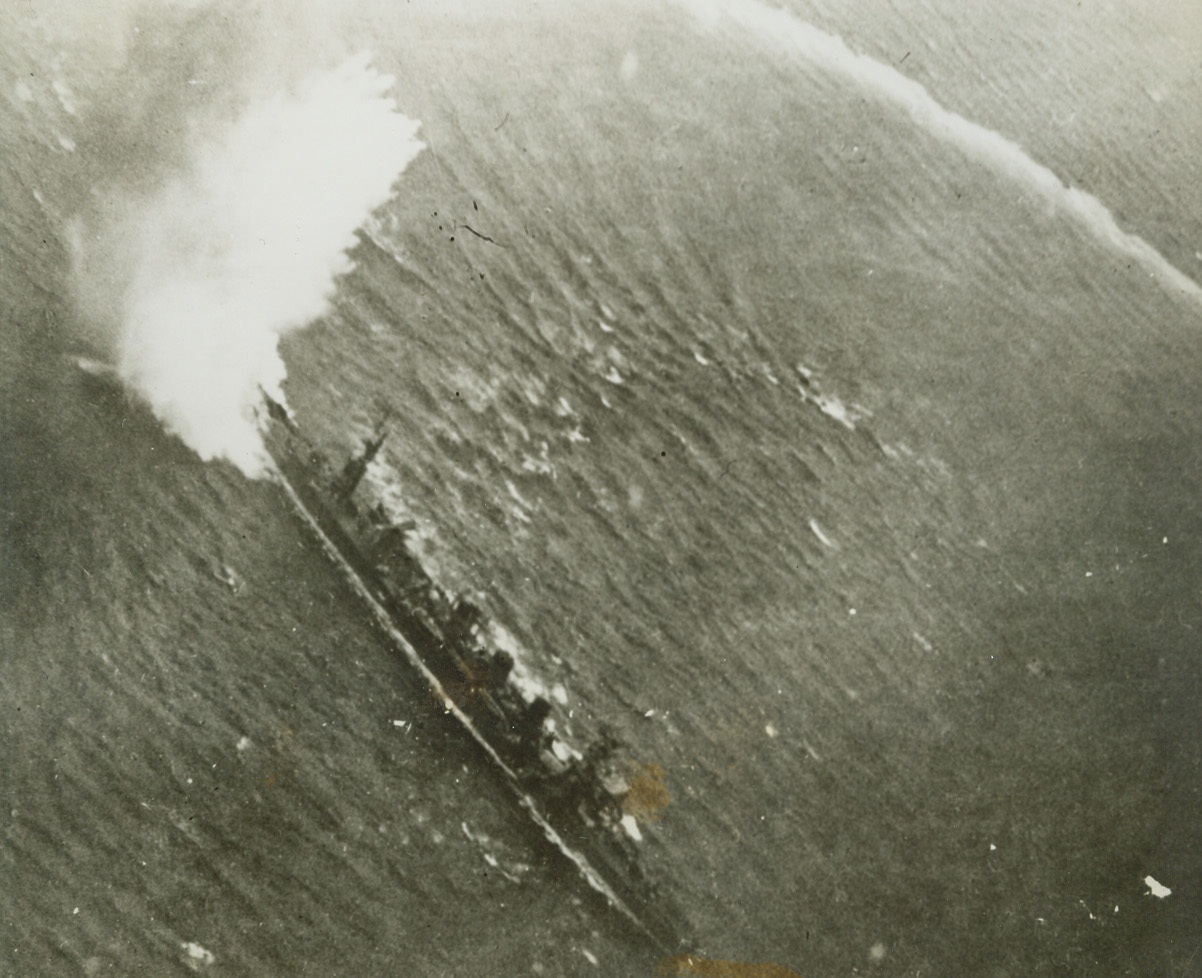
(813, 392)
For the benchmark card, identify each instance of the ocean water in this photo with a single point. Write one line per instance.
(801, 422)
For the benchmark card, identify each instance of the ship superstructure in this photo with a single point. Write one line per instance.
(578, 796)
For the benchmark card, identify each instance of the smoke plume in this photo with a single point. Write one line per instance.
(202, 275)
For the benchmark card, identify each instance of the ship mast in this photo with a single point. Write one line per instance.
(352, 473)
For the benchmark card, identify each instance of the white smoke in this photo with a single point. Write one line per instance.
(221, 261)
(795, 37)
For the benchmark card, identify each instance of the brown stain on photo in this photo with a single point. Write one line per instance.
(647, 797)
(695, 966)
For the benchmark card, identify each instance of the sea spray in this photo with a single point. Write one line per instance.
(797, 38)
(208, 271)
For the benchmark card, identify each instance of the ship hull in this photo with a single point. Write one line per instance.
(413, 611)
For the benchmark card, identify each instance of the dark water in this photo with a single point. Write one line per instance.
(838, 474)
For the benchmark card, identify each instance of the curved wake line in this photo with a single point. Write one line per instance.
(796, 37)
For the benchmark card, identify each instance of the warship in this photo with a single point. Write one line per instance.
(581, 798)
